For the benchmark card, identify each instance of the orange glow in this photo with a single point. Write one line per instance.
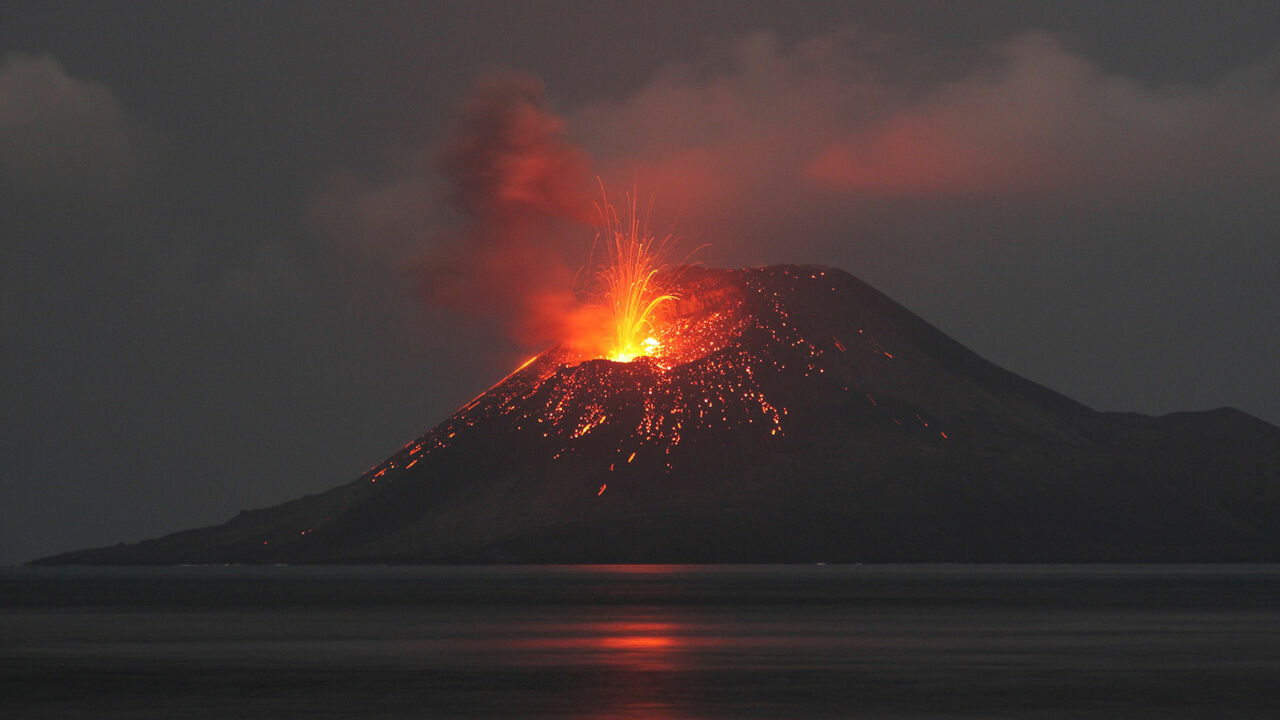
(715, 357)
(636, 642)
(649, 643)
(628, 281)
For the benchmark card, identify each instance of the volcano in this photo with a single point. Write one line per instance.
(794, 414)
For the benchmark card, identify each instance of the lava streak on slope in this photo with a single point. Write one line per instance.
(728, 362)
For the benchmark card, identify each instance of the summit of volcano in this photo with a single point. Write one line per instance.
(780, 414)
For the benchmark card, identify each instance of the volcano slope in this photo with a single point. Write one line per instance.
(795, 414)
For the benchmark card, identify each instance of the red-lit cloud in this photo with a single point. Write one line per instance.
(520, 195)
(765, 144)
(784, 134)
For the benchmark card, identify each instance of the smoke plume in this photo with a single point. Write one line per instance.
(522, 190)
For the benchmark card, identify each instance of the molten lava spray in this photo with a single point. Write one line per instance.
(520, 186)
(628, 281)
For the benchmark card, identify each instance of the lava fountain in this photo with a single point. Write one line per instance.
(628, 280)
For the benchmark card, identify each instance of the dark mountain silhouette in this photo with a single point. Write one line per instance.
(796, 415)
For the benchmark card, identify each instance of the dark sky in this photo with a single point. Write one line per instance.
(209, 212)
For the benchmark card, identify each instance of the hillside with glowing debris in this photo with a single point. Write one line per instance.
(785, 414)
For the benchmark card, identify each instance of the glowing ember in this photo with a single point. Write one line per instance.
(727, 359)
(628, 281)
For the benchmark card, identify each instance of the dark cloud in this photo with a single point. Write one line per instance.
(158, 359)
(56, 130)
(1046, 121)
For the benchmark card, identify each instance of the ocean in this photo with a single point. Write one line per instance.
(652, 641)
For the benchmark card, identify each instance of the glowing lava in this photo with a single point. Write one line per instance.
(628, 284)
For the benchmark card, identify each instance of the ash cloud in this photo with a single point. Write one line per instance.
(521, 187)
(520, 191)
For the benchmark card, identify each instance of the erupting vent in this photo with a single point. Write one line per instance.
(723, 347)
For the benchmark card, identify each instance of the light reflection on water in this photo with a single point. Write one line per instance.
(642, 641)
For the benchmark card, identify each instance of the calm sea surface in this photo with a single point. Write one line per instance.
(913, 641)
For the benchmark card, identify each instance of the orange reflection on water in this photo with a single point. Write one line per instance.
(635, 644)
(629, 635)
(655, 569)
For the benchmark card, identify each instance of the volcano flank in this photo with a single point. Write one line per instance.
(794, 414)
